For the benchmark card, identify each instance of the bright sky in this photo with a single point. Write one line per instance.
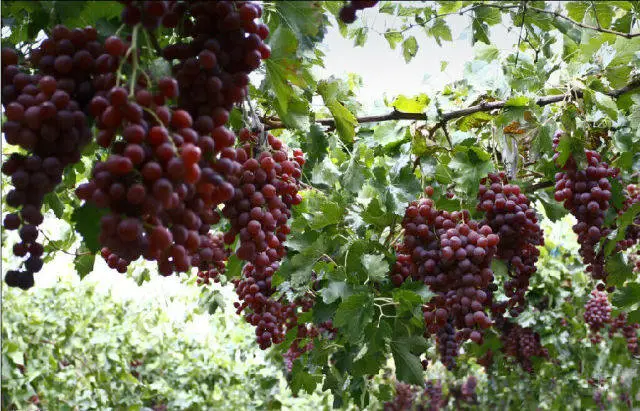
(383, 71)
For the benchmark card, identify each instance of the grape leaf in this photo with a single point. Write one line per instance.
(304, 18)
(375, 266)
(301, 379)
(408, 365)
(84, 263)
(86, 220)
(409, 48)
(623, 222)
(345, 121)
(415, 104)
(627, 296)
(353, 315)
(618, 270)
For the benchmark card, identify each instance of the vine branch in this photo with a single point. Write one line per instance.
(275, 123)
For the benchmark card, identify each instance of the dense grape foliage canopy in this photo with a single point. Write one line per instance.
(415, 259)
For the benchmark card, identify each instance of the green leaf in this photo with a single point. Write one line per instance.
(86, 221)
(389, 134)
(331, 212)
(299, 268)
(234, 267)
(52, 200)
(415, 104)
(480, 31)
(304, 19)
(627, 296)
(519, 101)
(607, 104)
(315, 145)
(408, 365)
(499, 268)
(393, 37)
(618, 271)
(353, 315)
(301, 379)
(553, 210)
(325, 173)
(449, 6)
(489, 15)
(84, 263)
(376, 266)
(407, 299)
(470, 165)
(346, 122)
(409, 48)
(576, 10)
(335, 290)
(486, 52)
(439, 31)
(283, 70)
(623, 221)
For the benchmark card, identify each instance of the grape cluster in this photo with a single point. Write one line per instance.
(213, 68)
(81, 65)
(348, 11)
(509, 214)
(152, 182)
(404, 399)
(452, 255)
(521, 344)
(432, 397)
(447, 345)
(468, 390)
(628, 330)
(265, 189)
(215, 266)
(597, 310)
(586, 194)
(632, 232)
(46, 118)
(153, 14)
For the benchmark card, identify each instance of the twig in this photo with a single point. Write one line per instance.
(156, 45)
(275, 123)
(524, 11)
(76, 254)
(577, 23)
(539, 186)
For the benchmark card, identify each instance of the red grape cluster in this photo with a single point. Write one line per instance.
(150, 181)
(303, 342)
(432, 397)
(452, 255)
(628, 330)
(152, 14)
(213, 68)
(586, 194)
(522, 343)
(404, 399)
(45, 118)
(632, 232)
(509, 214)
(266, 188)
(348, 11)
(468, 390)
(213, 263)
(447, 345)
(597, 310)
(403, 267)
